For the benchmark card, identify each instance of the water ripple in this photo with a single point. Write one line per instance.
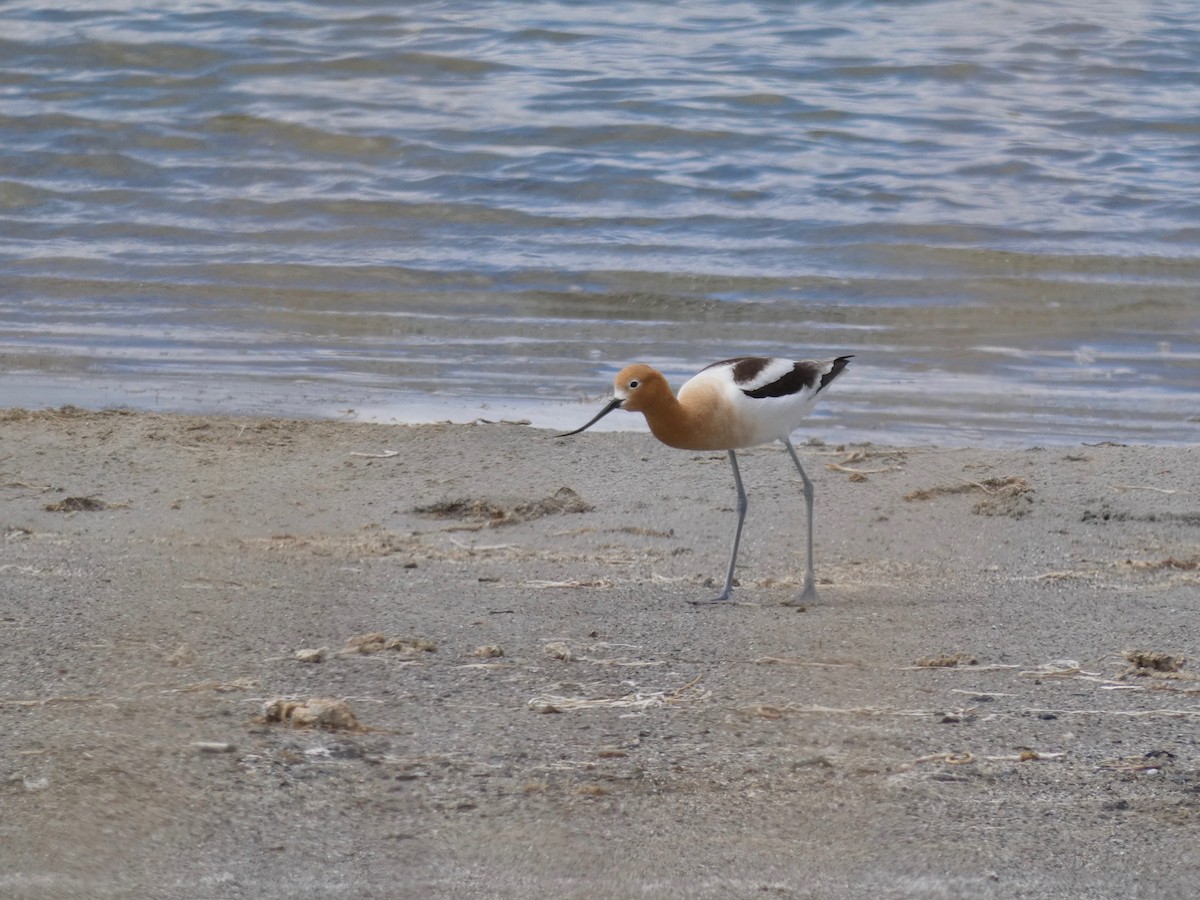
(470, 202)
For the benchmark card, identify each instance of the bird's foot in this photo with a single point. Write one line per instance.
(805, 597)
(726, 597)
(715, 601)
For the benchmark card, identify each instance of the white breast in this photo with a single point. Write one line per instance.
(754, 420)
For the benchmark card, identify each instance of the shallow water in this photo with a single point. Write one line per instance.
(451, 211)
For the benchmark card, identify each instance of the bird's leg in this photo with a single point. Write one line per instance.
(742, 504)
(809, 594)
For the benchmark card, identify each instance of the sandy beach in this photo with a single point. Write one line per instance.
(995, 695)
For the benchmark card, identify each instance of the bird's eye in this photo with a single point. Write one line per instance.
(633, 384)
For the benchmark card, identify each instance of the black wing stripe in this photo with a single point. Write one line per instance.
(746, 369)
(804, 376)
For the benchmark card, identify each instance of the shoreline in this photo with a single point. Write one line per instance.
(544, 713)
(852, 415)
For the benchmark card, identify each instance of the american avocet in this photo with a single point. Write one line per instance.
(732, 404)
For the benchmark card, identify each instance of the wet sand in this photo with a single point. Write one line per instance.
(530, 707)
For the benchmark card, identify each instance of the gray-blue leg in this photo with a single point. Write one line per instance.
(742, 505)
(809, 594)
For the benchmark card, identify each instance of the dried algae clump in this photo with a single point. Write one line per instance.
(82, 504)
(1008, 496)
(562, 501)
(1011, 484)
(376, 642)
(1146, 661)
(319, 712)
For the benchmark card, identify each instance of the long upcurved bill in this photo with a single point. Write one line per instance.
(615, 403)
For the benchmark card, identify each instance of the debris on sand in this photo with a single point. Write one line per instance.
(947, 661)
(1179, 565)
(376, 642)
(635, 700)
(368, 542)
(83, 504)
(1146, 662)
(1008, 496)
(559, 650)
(183, 655)
(214, 746)
(792, 661)
(1059, 668)
(563, 651)
(571, 583)
(562, 501)
(1009, 484)
(859, 475)
(63, 412)
(319, 712)
(221, 687)
(966, 758)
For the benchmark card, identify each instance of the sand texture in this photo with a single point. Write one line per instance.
(280, 659)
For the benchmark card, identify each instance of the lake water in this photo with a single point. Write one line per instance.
(429, 211)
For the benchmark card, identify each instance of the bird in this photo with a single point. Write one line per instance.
(731, 405)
